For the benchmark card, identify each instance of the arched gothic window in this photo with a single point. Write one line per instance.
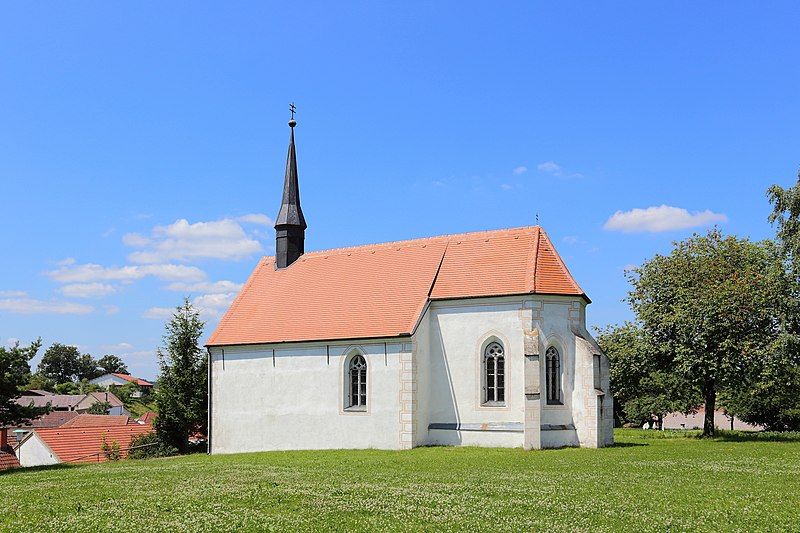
(494, 374)
(357, 382)
(553, 373)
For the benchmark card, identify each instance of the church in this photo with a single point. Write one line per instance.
(475, 339)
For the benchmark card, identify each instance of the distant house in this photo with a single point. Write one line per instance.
(84, 420)
(117, 379)
(73, 402)
(117, 407)
(695, 421)
(48, 446)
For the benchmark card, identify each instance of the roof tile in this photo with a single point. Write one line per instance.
(381, 290)
(84, 444)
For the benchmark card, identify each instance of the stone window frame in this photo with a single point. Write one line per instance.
(347, 403)
(481, 348)
(559, 401)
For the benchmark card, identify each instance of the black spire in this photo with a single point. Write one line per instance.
(290, 226)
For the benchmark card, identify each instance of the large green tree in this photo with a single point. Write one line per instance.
(15, 372)
(110, 364)
(62, 363)
(770, 396)
(786, 214)
(644, 385)
(181, 394)
(713, 309)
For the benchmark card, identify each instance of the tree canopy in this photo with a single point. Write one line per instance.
(15, 371)
(786, 214)
(713, 309)
(62, 363)
(181, 394)
(111, 364)
(644, 385)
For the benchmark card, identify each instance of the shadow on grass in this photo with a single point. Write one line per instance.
(628, 444)
(26, 469)
(756, 436)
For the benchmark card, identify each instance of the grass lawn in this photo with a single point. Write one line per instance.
(649, 481)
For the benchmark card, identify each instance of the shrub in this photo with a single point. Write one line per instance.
(149, 446)
(112, 451)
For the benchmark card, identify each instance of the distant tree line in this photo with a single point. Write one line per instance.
(62, 370)
(181, 397)
(717, 324)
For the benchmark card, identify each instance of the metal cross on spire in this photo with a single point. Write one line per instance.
(292, 109)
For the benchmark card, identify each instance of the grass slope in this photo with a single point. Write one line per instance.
(649, 481)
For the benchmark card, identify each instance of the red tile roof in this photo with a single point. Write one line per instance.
(87, 420)
(8, 460)
(53, 419)
(139, 381)
(148, 418)
(381, 290)
(84, 445)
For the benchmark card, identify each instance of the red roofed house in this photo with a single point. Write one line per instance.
(48, 446)
(473, 339)
(117, 379)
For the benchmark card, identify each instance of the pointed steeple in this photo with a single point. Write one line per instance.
(290, 225)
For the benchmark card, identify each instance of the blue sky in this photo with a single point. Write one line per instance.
(143, 146)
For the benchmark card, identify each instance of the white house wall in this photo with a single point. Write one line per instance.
(34, 452)
(295, 399)
(108, 380)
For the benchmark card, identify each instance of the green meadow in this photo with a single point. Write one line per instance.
(649, 481)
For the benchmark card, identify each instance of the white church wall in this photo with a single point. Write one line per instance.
(426, 390)
(422, 396)
(294, 399)
(451, 374)
(459, 331)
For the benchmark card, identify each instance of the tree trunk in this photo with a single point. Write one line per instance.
(710, 393)
(661, 422)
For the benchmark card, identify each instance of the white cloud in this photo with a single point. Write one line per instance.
(12, 341)
(551, 167)
(209, 287)
(210, 306)
(30, 306)
(183, 241)
(548, 166)
(256, 218)
(159, 313)
(213, 306)
(87, 290)
(13, 294)
(90, 272)
(520, 170)
(629, 268)
(570, 239)
(135, 240)
(123, 347)
(660, 218)
(111, 309)
(506, 186)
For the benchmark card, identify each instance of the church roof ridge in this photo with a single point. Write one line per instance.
(382, 291)
(465, 236)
